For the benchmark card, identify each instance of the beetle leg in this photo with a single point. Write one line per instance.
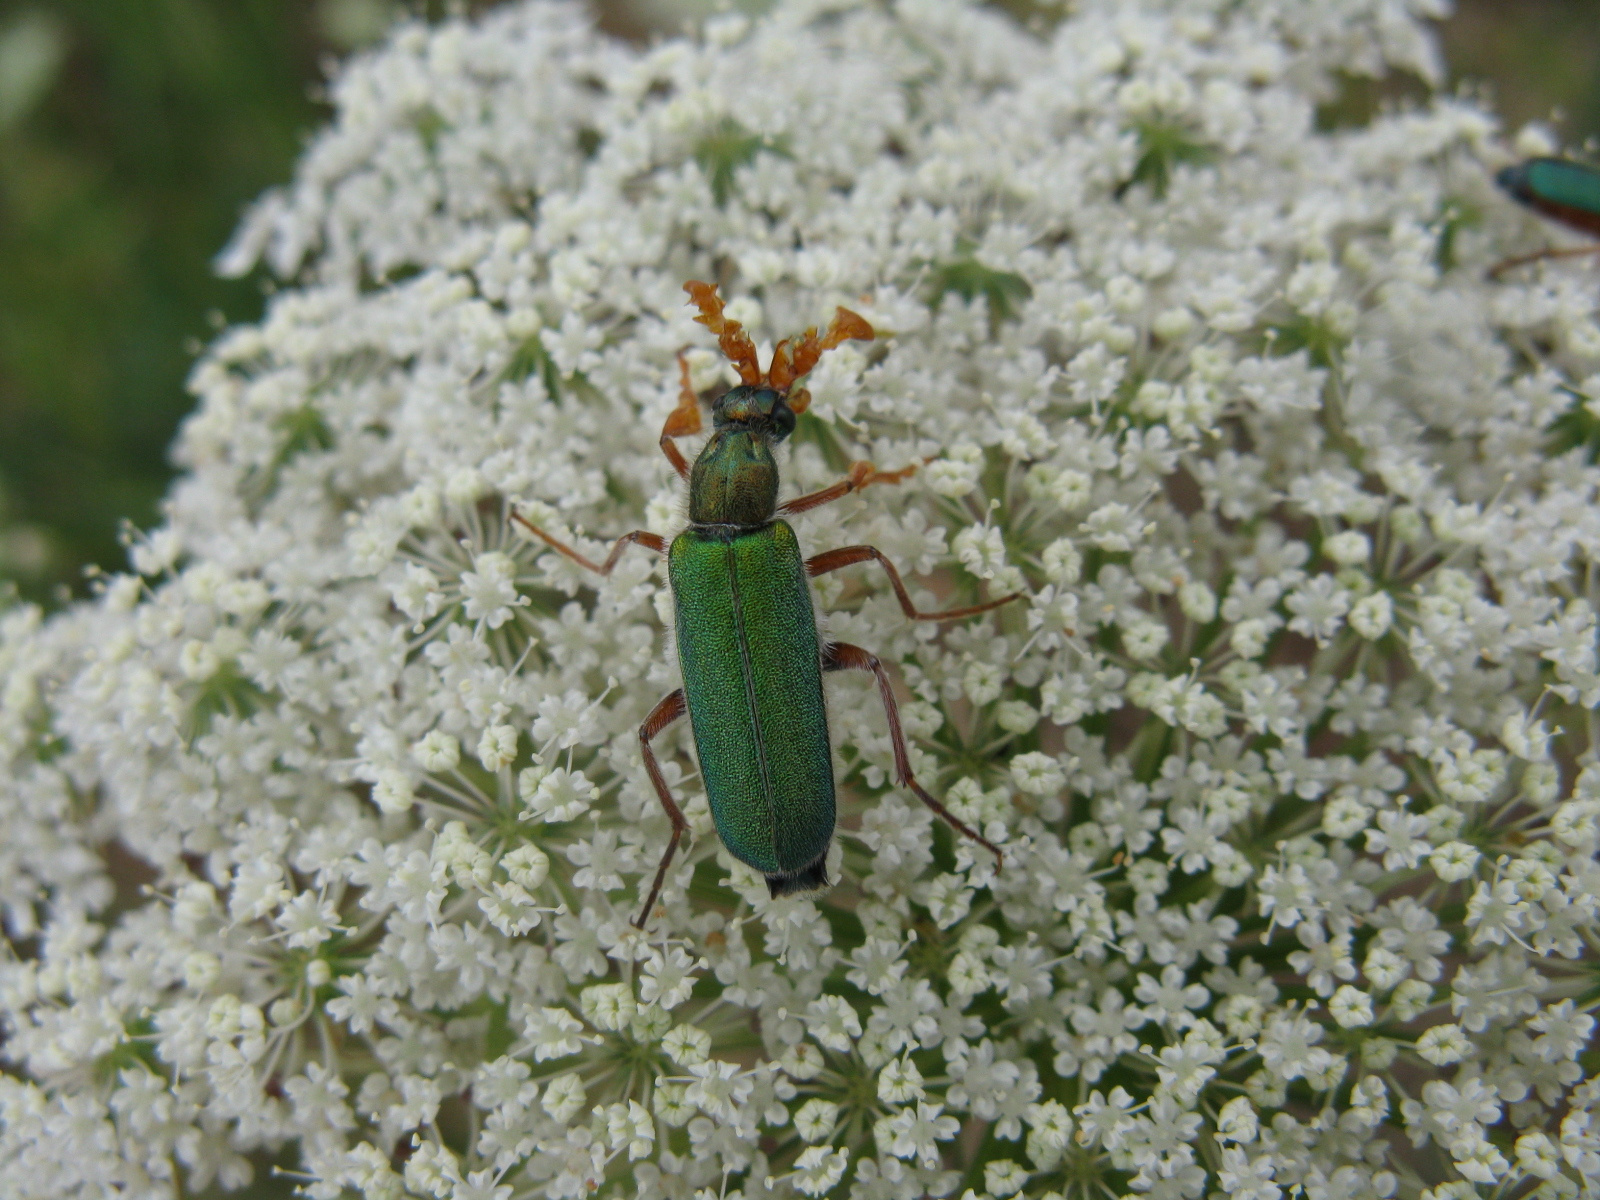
(662, 715)
(861, 475)
(681, 421)
(650, 541)
(847, 556)
(841, 656)
(1523, 260)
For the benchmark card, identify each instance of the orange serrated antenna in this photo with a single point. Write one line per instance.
(793, 358)
(735, 342)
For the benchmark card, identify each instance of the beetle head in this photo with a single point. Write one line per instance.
(761, 410)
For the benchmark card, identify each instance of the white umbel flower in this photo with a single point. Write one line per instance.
(1287, 747)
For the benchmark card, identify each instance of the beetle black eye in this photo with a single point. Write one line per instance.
(782, 422)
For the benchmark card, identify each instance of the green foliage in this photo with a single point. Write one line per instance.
(303, 430)
(530, 357)
(1004, 291)
(1577, 428)
(725, 148)
(1316, 337)
(1539, 56)
(1455, 216)
(1162, 147)
(136, 1051)
(124, 165)
(225, 693)
(430, 124)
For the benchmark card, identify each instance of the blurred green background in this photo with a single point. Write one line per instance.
(132, 133)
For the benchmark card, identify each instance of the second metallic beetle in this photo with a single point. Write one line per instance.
(747, 639)
(1557, 188)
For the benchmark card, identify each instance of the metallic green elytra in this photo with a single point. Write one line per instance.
(1557, 188)
(752, 672)
(747, 637)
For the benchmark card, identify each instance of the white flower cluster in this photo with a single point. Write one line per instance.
(1291, 748)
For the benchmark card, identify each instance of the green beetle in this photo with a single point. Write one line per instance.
(747, 639)
(1557, 188)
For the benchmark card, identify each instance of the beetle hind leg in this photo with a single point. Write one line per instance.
(808, 878)
(662, 715)
(841, 656)
(833, 560)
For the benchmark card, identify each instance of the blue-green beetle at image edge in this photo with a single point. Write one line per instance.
(1558, 188)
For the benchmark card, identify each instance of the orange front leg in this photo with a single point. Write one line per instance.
(683, 421)
(862, 474)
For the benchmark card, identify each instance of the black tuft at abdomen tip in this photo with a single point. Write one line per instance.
(807, 879)
(1513, 179)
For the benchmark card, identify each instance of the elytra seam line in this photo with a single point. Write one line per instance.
(750, 696)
